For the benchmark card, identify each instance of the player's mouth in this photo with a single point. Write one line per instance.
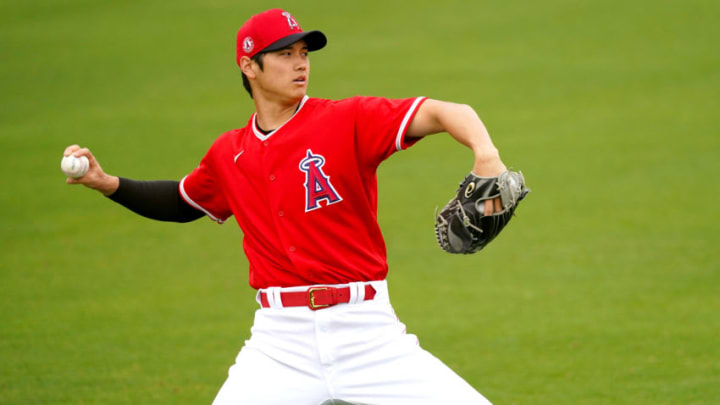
(300, 80)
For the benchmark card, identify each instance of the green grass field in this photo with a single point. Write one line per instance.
(604, 290)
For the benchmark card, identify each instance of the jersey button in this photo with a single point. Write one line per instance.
(265, 143)
(281, 213)
(272, 177)
(292, 248)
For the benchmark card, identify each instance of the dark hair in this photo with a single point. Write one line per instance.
(257, 58)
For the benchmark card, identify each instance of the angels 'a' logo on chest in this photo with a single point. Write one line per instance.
(317, 184)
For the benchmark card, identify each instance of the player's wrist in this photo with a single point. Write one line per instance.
(487, 163)
(108, 185)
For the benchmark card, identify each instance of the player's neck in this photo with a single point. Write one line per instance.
(272, 114)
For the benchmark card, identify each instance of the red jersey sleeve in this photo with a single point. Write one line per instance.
(381, 125)
(202, 190)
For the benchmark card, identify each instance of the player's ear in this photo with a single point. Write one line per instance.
(247, 65)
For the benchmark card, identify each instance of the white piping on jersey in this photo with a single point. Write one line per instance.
(262, 136)
(401, 131)
(196, 205)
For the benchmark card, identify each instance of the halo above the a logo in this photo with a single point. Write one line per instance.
(248, 44)
(292, 23)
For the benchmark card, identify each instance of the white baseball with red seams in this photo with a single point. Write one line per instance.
(74, 167)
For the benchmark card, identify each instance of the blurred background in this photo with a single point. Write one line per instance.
(605, 289)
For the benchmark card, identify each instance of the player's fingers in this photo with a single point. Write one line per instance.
(86, 152)
(70, 150)
(498, 205)
(488, 207)
(82, 152)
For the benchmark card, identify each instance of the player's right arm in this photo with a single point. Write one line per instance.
(159, 199)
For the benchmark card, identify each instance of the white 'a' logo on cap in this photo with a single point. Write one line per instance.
(291, 20)
(248, 44)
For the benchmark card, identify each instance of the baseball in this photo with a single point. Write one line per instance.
(74, 167)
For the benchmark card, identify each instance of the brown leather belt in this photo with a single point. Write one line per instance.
(317, 297)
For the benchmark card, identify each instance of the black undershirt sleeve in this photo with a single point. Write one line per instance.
(157, 199)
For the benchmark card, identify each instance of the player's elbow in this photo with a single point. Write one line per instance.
(465, 110)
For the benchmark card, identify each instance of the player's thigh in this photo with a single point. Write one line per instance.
(439, 383)
(414, 378)
(257, 379)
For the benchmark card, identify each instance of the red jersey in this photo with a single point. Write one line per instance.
(305, 194)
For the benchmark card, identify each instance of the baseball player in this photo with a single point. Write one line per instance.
(300, 180)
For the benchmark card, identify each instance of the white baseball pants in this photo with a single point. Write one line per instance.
(357, 353)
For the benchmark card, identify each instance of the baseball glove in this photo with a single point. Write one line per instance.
(462, 226)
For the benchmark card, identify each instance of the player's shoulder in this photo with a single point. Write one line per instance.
(229, 140)
(230, 136)
(361, 101)
(319, 104)
(238, 133)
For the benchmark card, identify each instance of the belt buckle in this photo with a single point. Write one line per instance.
(311, 296)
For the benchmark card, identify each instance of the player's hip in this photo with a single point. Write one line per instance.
(301, 333)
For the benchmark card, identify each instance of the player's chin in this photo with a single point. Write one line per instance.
(298, 91)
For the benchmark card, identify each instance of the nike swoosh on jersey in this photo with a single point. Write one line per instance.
(237, 156)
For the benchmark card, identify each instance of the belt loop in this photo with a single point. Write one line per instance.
(273, 296)
(278, 297)
(360, 291)
(357, 292)
(270, 297)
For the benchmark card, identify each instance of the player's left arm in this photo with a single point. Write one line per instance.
(462, 123)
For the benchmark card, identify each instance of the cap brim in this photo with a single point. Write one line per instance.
(315, 40)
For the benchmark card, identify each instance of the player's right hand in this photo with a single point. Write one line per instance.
(95, 178)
